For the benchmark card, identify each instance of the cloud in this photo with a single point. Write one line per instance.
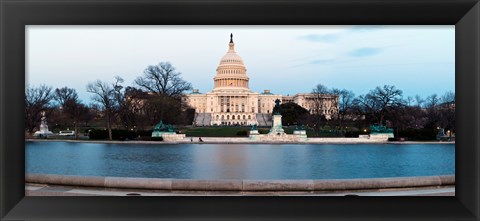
(327, 38)
(322, 61)
(364, 52)
(399, 64)
(365, 28)
(330, 38)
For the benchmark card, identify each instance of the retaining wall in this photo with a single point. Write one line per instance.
(241, 185)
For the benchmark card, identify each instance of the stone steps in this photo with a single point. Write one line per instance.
(264, 120)
(202, 119)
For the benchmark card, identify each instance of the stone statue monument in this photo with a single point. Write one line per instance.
(277, 120)
(161, 127)
(254, 130)
(277, 133)
(166, 132)
(43, 132)
(276, 109)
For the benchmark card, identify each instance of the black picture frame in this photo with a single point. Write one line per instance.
(15, 14)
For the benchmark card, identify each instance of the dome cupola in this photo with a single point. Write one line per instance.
(231, 72)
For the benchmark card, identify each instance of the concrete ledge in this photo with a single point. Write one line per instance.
(447, 180)
(138, 183)
(241, 185)
(65, 180)
(278, 185)
(383, 183)
(211, 185)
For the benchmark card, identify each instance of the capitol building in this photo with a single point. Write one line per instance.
(231, 102)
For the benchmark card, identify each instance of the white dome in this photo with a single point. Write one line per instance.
(231, 72)
(231, 57)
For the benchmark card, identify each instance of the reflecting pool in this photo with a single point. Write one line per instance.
(241, 161)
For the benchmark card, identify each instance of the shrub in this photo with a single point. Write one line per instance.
(242, 133)
(417, 134)
(263, 131)
(116, 135)
(352, 134)
(157, 139)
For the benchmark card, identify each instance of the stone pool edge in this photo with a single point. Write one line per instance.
(236, 140)
(241, 185)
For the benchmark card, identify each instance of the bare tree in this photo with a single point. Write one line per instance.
(318, 105)
(36, 101)
(125, 104)
(431, 106)
(65, 94)
(163, 79)
(386, 98)
(136, 113)
(432, 101)
(104, 94)
(380, 101)
(345, 105)
(448, 97)
(71, 107)
(165, 82)
(419, 101)
(447, 111)
(320, 89)
(76, 112)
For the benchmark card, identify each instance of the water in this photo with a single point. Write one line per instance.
(241, 161)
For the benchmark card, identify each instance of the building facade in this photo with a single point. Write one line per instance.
(231, 102)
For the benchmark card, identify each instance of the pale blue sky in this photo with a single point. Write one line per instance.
(285, 59)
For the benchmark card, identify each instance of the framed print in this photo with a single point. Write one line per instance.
(233, 133)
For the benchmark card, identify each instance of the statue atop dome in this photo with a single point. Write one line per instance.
(231, 44)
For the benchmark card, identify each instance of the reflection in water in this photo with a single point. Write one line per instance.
(228, 162)
(240, 161)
